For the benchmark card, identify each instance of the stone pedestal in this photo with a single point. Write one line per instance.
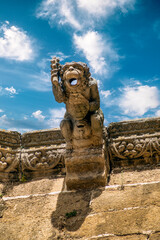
(86, 168)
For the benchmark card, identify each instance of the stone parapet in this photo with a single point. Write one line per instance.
(30, 155)
(133, 143)
(41, 153)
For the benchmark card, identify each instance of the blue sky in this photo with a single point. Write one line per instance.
(118, 39)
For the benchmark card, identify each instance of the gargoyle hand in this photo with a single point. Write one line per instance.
(55, 68)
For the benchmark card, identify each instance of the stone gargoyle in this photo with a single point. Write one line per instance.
(72, 84)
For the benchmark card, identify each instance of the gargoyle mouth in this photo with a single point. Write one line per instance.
(73, 81)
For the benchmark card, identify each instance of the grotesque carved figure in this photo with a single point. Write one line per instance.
(83, 121)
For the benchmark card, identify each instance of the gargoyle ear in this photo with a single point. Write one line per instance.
(86, 71)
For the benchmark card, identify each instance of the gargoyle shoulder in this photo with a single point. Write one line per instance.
(92, 82)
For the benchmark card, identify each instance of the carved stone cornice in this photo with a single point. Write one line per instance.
(134, 143)
(42, 138)
(146, 126)
(10, 139)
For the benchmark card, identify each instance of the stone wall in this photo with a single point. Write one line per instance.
(127, 209)
(41, 153)
(39, 207)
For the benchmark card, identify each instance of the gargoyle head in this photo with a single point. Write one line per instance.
(74, 74)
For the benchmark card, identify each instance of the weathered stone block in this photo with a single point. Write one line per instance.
(86, 168)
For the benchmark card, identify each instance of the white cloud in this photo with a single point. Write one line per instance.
(1, 111)
(98, 52)
(105, 94)
(36, 121)
(45, 62)
(11, 90)
(38, 115)
(60, 55)
(56, 116)
(3, 118)
(157, 113)
(66, 12)
(15, 44)
(104, 8)
(137, 100)
(41, 82)
(57, 113)
(21, 125)
(105, 122)
(61, 11)
(100, 84)
(80, 13)
(121, 118)
(14, 125)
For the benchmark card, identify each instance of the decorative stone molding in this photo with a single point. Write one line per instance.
(9, 154)
(8, 160)
(42, 161)
(9, 163)
(41, 153)
(10, 139)
(42, 138)
(133, 143)
(33, 154)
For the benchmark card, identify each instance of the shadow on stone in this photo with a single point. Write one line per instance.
(72, 209)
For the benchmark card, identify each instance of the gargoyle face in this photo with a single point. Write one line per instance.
(73, 76)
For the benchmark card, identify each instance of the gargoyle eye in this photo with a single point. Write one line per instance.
(73, 81)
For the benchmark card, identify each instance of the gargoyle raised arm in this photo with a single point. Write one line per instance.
(56, 85)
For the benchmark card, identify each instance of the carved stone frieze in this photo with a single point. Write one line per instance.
(34, 153)
(41, 158)
(9, 164)
(41, 153)
(9, 160)
(131, 144)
